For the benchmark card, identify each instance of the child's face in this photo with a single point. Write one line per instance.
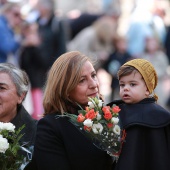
(151, 45)
(121, 45)
(133, 88)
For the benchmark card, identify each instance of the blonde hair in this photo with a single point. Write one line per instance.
(63, 77)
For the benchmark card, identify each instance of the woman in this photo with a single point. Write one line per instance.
(14, 85)
(59, 144)
(10, 20)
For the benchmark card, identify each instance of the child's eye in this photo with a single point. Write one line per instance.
(121, 85)
(132, 84)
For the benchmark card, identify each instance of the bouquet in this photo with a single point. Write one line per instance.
(101, 124)
(10, 156)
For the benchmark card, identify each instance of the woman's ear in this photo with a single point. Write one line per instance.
(21, 98)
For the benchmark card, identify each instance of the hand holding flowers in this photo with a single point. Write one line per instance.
(101, 124)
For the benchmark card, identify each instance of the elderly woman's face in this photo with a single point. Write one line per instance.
(88, 85)
(8, 98)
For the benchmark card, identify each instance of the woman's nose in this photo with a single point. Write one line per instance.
(93, 83)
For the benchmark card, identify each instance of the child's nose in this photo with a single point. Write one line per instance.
(126, 88)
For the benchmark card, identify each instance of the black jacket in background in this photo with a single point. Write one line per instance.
(32, 62)
(112, 65)
(147, 144)
(53, 40)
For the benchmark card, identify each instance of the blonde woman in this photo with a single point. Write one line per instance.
(59, 144)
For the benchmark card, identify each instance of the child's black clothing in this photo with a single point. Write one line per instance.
(147, 143)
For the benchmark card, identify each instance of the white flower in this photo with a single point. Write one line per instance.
(88, 122)
(116, 129)
(1, 126)
(98, 117)
(115, 120)
(4, 145)
(9, 126)
(100, 103)
(91, 105)
(97, 128)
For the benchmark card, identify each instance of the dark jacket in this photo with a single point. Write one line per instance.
(53, 40)
(29, 131)
(147, 144)
(167, 43)
(112, 65)
(32, 62)
(60, 145)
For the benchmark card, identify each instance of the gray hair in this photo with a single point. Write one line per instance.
(18, 77)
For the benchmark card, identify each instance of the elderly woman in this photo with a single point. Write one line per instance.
(14, 85)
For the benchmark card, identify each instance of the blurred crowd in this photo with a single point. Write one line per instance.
(32, 41)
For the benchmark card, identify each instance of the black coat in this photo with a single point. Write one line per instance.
(32, 62)
(147, 144)
(24, 118)
(53, 40)
(167, 43)
(60, 145)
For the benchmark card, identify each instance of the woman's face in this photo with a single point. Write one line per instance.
(88, 85)
(8, 98)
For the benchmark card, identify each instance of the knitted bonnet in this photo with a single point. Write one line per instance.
(147, 71)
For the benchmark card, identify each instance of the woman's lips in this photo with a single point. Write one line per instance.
(93, 94)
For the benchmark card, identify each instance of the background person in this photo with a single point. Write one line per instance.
(10, 19)
(32, 62)
(59, 144)
(51, 32)
(114, 61)
(96, 40)
(155, 54)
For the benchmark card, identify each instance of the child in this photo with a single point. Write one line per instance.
(147, 124)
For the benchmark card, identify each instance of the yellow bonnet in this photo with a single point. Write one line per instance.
(147, 71)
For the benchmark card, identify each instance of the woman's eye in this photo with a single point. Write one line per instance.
(2, 88)
(94, 75)
(82, 80)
